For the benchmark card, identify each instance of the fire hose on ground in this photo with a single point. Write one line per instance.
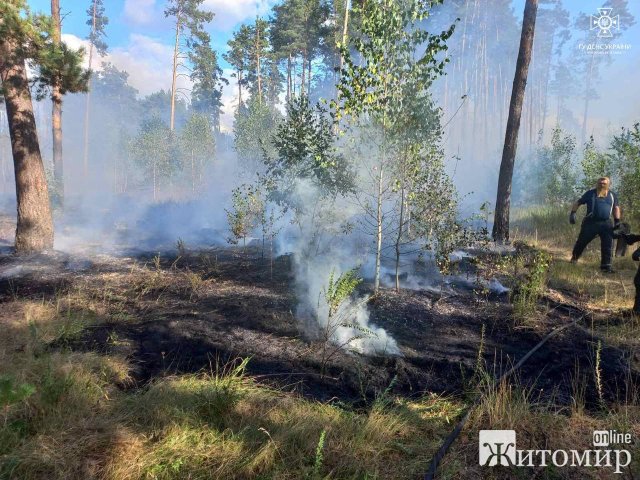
(444, 448)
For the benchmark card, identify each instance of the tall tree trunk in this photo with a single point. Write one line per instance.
(345, 29)
(87, 107)
(304, 63)
(56, 112)
(378, 227)
(585, 115)
(239, 88)
(258, 69)
(379, 214)
(309, 77)
(401, 223)
(289, 78)
(503, 197)
(175, 73)
(34, 232)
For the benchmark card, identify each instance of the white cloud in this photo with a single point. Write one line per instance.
(145, 59)
(229, 101)
(141, 12)
(228, 13)
(231, 12)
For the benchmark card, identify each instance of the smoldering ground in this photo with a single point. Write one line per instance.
(204, 308)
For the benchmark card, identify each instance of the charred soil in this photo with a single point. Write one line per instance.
(173, 313)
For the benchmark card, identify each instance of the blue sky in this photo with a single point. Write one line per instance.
(140, 42)
(145, 17)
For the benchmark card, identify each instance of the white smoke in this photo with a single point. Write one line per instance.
(322, 249)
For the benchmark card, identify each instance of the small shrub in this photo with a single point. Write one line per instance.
(532, 286)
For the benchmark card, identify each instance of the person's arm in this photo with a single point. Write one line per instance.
(616, 210)
(574, 208)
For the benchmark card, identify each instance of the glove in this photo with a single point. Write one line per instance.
(616, 223)
(636, 255)
(572, 218)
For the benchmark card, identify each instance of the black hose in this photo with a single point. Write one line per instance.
(444, 448)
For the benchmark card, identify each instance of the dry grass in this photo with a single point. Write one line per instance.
(550, 230)
(80, 423)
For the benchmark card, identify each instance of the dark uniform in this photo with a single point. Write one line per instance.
(597, 223)
(631, 239)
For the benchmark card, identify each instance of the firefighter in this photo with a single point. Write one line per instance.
(602, 204)
(630, 239)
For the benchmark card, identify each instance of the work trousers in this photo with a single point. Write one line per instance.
(591, 229)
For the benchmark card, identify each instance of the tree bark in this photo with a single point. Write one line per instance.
(345, 30)
(175, 73)
(302, 76)
(56, 113)
(258, 67)
(503, 197)
(289, 78)
(585, 115)
(85, 154)
(401, 223)
(34, 231)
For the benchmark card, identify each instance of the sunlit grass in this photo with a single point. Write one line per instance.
(79, 423)
(549, 229)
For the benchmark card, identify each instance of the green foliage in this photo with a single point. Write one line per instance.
(158, 104)
(238, 55)
(206, 74)
(375, 77)
(246, 212)
(317, 463)
(254, 127)
(190, 19)
(304, 146)
(12, 392)
(33, 37)
(97, 21)
(595, 164)
(300, 33)
(340, 312)
(529, 289)
(625, 156)
(154, 150)
(338, 290)
(62, 66)
(556, 174)
(197, 148)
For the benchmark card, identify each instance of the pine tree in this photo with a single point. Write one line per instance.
(503, 197)
(259, 45)
(189, 34)
(61, 72)
(208, 82)
(97, 22)
(26, 37)
(239, 58)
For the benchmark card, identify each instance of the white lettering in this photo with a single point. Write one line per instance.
(620, 465)
(525, 456)
(555, 459)
(577, 460)
(607, 455)
(543, 454)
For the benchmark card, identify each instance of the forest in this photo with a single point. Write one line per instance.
(320, 239)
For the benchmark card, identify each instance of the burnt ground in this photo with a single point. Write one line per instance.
(203, 309)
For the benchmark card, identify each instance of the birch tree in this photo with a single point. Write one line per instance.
(373, 80)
